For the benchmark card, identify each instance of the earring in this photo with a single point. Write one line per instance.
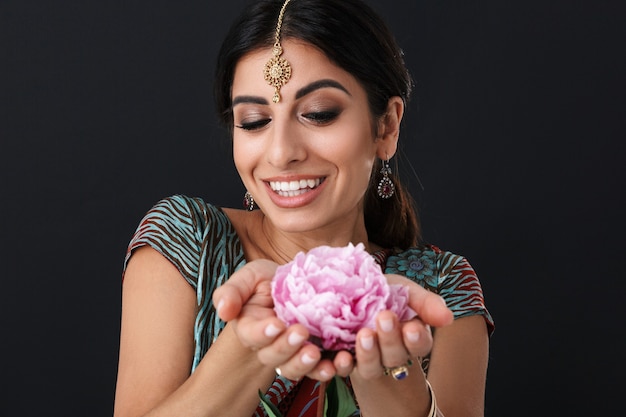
(248, 201)
(385, 187)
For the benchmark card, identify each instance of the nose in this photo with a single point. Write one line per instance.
(285, 146)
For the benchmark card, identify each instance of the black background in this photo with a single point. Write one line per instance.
(513, 147)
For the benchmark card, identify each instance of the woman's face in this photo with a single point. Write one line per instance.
(307, 159)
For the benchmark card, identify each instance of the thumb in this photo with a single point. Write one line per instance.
(230, 297)
(430, 307)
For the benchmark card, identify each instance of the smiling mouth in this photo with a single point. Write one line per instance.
(294, 188)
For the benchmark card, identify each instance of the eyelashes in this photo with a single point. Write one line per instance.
(319, 118)
(253, 125)
(322, 117)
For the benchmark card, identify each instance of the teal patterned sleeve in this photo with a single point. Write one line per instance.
(449, 275)
(172, 228)
(201, 242)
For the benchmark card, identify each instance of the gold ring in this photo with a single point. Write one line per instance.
(399, 372)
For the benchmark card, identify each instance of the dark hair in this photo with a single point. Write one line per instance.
(355, 38)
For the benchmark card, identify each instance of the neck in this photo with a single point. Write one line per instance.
(282, 247)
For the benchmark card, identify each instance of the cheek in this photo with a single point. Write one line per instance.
(354, 159)
(356, 149)
(242, 155)
(365, 173)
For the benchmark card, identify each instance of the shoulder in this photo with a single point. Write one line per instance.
(183, 214)
(445, 273)
(427, 264)
(182, 228)
(182, 206)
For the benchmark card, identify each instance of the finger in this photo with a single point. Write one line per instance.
(430, 307)
(323, 371)
(343, 363)
(390, 340)
(253, 277)
(368, 361)
(257, 334)
(285, 346)
(417, 337)
(305, 360)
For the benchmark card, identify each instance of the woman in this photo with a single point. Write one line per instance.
(313, 93)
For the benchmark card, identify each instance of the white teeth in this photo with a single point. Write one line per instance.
(293, 188)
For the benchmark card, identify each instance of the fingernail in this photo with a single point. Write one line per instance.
(271, 330)
(307, 359)
(324, 374)
(219, 306)
(386, 325)
(367, 342)
(413, 337)
(295, 339)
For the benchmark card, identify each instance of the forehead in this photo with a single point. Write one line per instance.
(308, 64)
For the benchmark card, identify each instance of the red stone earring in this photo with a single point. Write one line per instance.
(385, 187)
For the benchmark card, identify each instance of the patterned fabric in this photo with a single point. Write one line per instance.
(449, 275)
(199, 239)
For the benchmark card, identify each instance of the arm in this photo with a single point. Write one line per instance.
(156, 351)
(458, 360)
(457, 370)
(458, 367)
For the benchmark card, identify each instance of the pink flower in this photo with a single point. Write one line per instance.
(335, 292)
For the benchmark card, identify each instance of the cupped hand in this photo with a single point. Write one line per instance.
(245, 302)
(393, 343)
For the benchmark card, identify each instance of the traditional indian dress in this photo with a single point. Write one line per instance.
(201, 242)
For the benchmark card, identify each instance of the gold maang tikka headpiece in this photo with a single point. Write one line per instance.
(277, 70)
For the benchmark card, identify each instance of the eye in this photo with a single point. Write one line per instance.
(253, 125)
(322, 117)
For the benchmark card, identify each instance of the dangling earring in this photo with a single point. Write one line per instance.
(248, 201)
(385, 187)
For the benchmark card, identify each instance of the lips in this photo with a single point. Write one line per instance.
(295, 187)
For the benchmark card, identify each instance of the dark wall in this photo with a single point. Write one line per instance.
(513, 147)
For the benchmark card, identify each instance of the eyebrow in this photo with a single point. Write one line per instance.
(248, 99)
(316, 85)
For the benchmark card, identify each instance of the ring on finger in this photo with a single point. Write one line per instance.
(399, 372)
